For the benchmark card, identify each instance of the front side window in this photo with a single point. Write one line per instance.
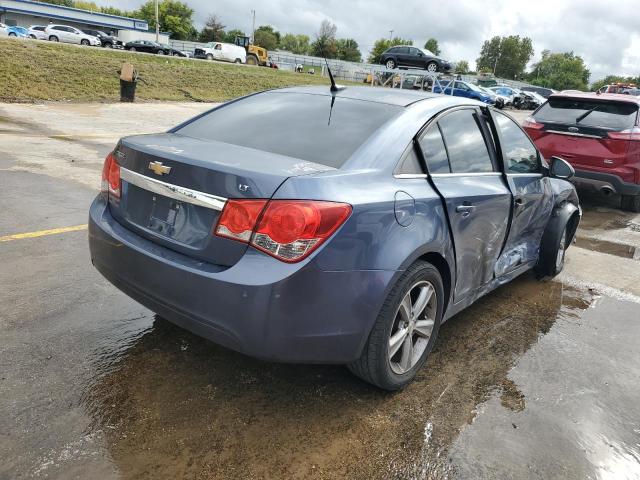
(465, 143)
(520, 156)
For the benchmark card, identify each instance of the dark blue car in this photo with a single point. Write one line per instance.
(303, 225)
(463, 89)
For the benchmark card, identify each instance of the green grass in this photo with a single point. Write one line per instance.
(35, 71)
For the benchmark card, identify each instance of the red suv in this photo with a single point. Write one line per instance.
(599, 134)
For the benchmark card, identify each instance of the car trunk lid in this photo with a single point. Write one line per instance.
(174, 187)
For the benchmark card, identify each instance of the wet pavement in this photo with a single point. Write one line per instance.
(536, 380)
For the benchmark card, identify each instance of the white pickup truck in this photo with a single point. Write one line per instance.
(227, 52)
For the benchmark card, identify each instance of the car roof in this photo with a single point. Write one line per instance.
(395, 96)
(598, 96)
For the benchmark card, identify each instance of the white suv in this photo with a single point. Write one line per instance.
(67, 34)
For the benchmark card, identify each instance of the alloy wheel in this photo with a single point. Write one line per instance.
(432, 67)
(412, 327)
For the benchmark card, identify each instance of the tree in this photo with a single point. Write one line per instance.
(267, 37)
(230, 36)
(462, 67)
(298, 44)
(175, 17)
(348, 50)
(506, 57)
(432, 46)
(325, 42)
(383, 44)
(562, 71)
(213, 30)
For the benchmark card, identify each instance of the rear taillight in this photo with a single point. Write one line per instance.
(530, 122)
(110, 177)
(288, 230)
(629, 134)
(239, 218)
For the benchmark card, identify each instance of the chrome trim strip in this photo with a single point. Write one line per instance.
(524, 175)
(571, 134)
(472, 174)
(173, 191)
(410, 175)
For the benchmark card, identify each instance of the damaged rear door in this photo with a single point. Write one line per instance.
(531, 203)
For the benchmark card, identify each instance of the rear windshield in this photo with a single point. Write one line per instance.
(295, 124)
(610, 115)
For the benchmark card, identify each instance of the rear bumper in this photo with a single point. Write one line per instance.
(602, 181)
(260, 306)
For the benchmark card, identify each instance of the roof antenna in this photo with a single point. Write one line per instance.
(334, 86)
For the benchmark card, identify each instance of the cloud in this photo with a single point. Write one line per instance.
(602, 33)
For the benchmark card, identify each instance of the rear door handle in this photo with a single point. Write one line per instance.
(465, 210)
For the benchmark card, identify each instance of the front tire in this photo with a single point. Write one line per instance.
(432, 67)
(209, 57)
(53, 38)
(631, 203)
(405, 330)
(84, 42)
(132, 49)
(390, 64)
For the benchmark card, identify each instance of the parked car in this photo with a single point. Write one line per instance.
(599, 135)
(37, 32)
(616, 87)
(19, 32)
(146, 46)
(227, 52)
(299, 224)
(631, 91)
(529, 102)
(498, 100)
(406, 56)
(106, 40)
(544, 92)
(462, 89)
(508, 92)
(3, 30)
(67, 34)
(173, 51)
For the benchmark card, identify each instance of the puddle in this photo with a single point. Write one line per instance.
(604, 246)
(174, 405)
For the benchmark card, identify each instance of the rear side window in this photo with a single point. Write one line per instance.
(297, 125)
(465, 144)
(434, 151)
(610, 115)
(520, 156)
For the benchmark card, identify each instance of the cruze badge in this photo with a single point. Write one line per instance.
(158, 168)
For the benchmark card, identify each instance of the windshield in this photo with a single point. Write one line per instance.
(475, 88)
(295, 124)
(611, 115)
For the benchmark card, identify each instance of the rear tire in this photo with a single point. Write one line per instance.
(11, 34)
(631, 203)
(390, 64)
(160, 52)
(108, 45)
(387, 369)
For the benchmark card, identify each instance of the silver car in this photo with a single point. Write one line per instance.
(67, 34)
(37, 32)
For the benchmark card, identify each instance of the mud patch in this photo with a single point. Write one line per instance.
(174, 405)
(604, 246)
(511, 397)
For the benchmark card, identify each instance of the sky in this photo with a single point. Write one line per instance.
(605, 34)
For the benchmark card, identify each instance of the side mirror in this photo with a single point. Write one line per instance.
(560, 168)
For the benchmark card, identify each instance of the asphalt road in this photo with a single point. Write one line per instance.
(537, 380)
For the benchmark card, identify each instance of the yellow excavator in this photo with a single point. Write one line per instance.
(255, 55)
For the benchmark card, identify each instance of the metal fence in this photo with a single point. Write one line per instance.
(343, 70)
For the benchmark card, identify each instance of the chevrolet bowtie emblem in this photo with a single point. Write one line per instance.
(158, 168)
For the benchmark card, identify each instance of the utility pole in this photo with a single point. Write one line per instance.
(390, 34)
(157, 23)
(253, 29)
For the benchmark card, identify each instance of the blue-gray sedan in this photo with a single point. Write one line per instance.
(314, 226)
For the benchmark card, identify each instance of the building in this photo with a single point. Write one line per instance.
(28, 12)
